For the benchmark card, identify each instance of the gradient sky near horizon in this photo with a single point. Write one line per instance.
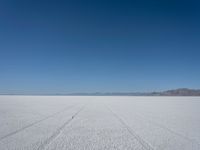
(58, 46)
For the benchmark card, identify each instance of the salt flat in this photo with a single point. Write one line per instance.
(90, 123)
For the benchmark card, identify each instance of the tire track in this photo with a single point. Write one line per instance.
(145, 144)
(58, 131)
(34, 123)
(192, 140)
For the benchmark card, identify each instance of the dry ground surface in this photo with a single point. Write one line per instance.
(99, 123)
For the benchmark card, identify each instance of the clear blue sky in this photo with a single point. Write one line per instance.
(56, 46)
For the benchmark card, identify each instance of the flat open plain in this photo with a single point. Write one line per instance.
(99, 123)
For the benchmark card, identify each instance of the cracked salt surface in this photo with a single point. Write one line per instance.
(75, 122)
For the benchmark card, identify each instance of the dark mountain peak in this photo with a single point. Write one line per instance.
(181, 92)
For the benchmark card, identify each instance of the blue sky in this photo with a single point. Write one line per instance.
(59, 46)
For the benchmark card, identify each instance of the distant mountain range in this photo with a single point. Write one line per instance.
(174, 92)
(180, 92)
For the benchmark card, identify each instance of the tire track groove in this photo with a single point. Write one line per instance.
(145, 144)
(58, 131)
(34, 123)
(189, 139)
